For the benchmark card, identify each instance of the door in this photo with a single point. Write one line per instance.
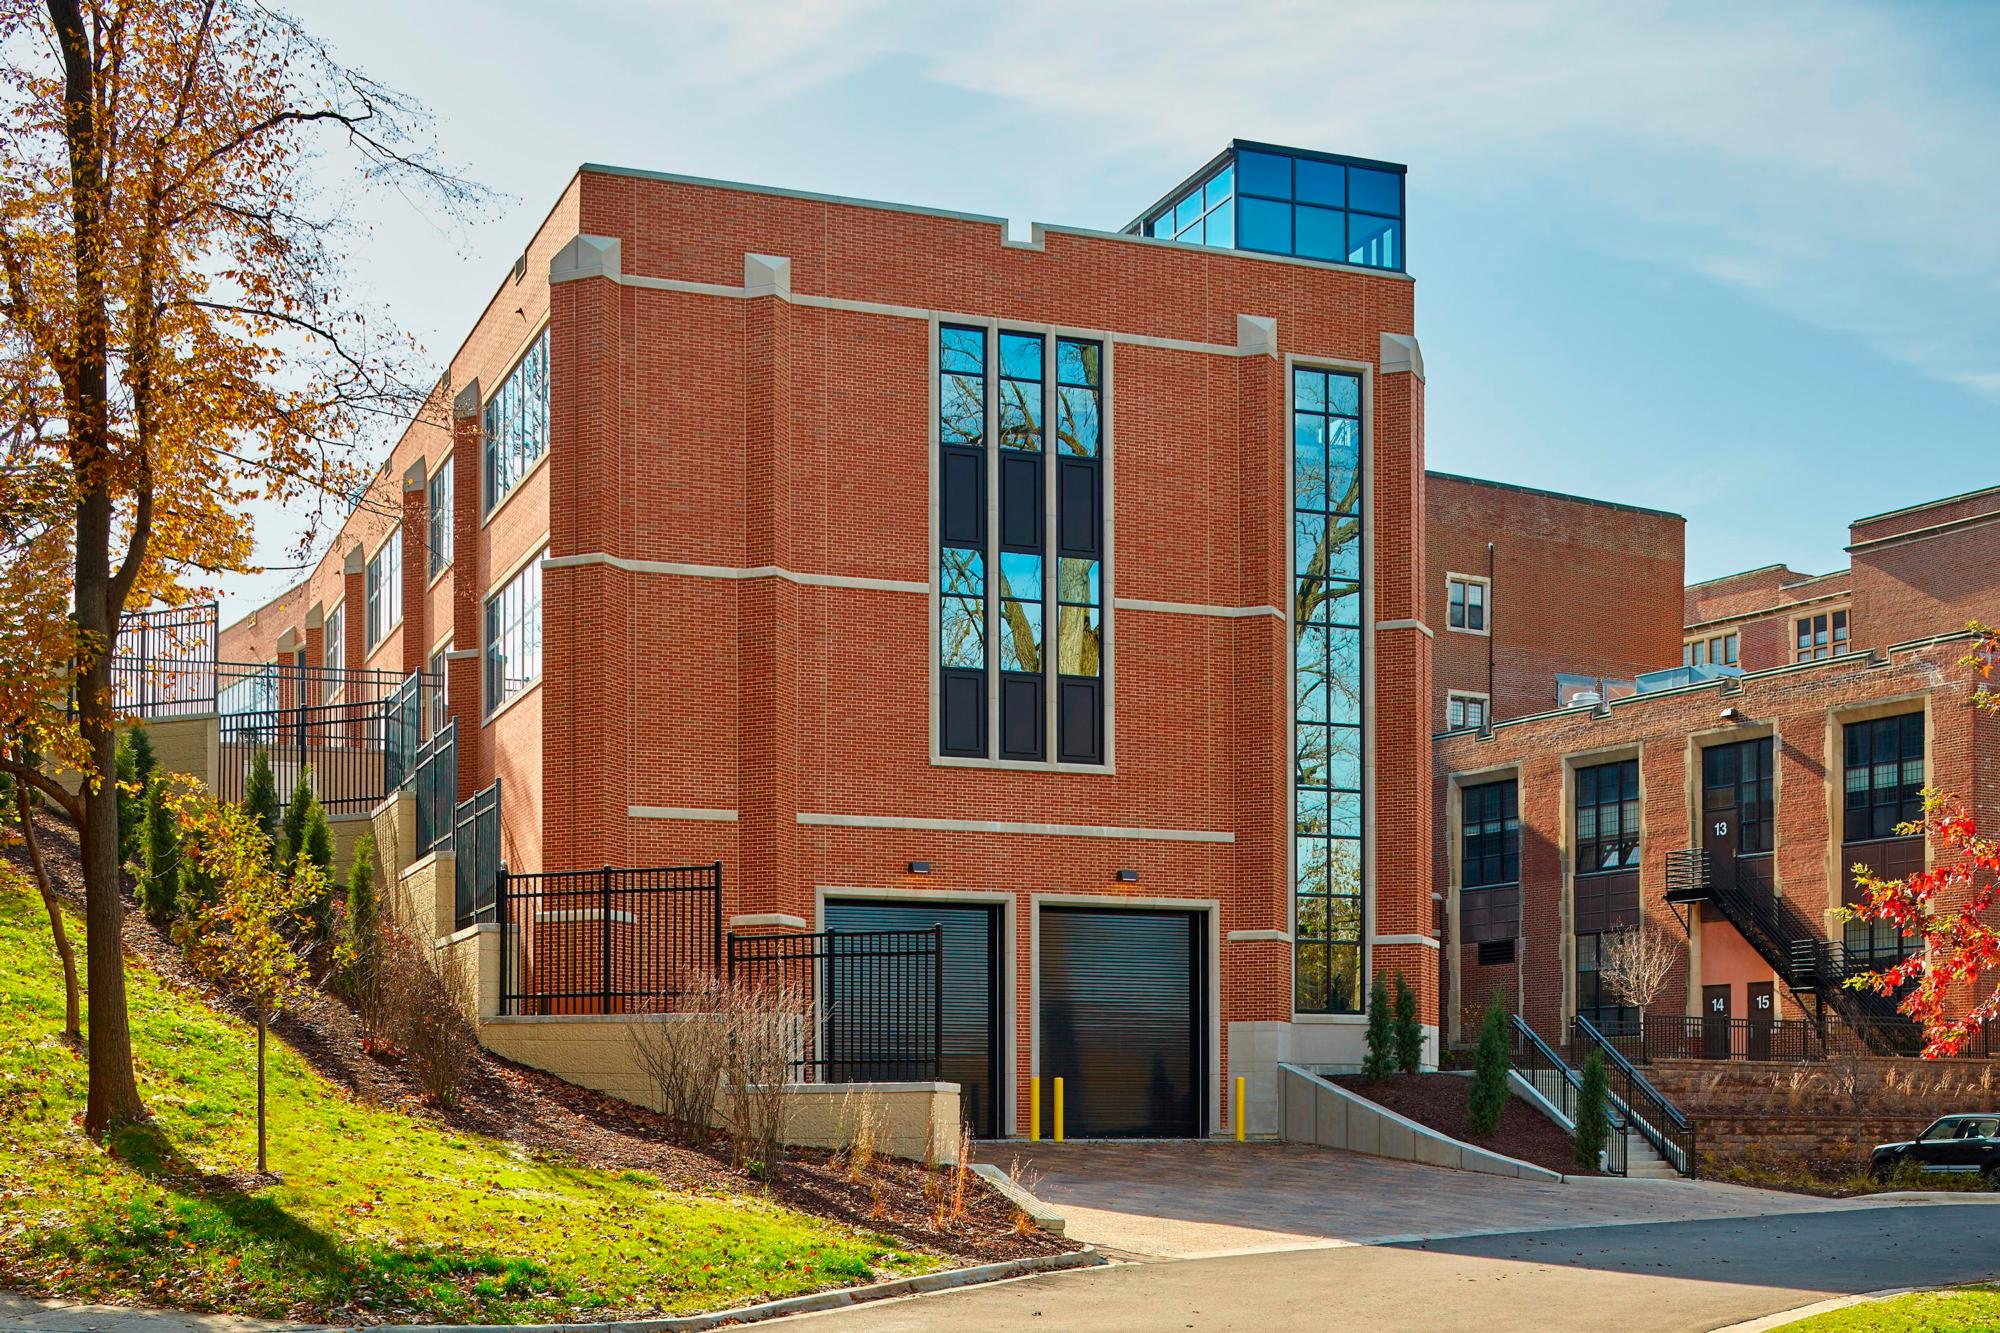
(1123, 1020)
(971, 1038)
(1721, 831)
(1763, 1012)
(1715, 1022)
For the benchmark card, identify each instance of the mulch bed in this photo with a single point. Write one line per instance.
(1439, 1101)
(507, 1101)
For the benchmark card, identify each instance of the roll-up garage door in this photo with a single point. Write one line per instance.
(1122, 1021)
(971, 991)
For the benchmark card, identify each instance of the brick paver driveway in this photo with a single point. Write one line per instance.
(1184, 1199)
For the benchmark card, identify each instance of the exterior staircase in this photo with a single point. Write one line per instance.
(1555, 1086)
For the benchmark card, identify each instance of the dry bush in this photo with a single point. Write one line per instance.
(1024, 1179)
(878, 1207)
(685, 1060)
(418, 1005)
(961, 1175)
(766, 1026)
(861, 1117)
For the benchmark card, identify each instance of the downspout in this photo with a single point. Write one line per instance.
(1489, 637)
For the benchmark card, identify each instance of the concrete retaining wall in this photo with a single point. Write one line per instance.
(186, 745)
(1312, 1110)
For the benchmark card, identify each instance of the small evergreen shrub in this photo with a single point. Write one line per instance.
(292, 828)
(1409, 1035)
(1380, 1061)
(131, 798)
(1593, 1121)
(363, 922)
(1489, 1073)
(160, 872)
(260, 795)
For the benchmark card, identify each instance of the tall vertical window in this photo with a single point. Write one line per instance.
(1885, 776)
(440, 695)
(333, 656)
(1821, 636)
(1607, 817)
(1041, 582)
(516, 422)
(385, 588)
(1490, 849)
(514, 636)
(439, 521)
(1465, 603)
(1736, 785)
(1327, 684)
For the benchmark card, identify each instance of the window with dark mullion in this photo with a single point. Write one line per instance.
(1885, 776)
(1736, 780)
(1491, 837)
(962, 652)
(1022, 588)
(1079, 544)
(1607, 817)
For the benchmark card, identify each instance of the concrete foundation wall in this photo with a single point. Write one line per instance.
(186, 745)
(1312, 1110)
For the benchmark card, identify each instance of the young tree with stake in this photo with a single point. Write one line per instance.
(1635, 966)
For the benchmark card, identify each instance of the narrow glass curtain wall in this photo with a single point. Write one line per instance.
(997, 628)
(1327, 680)
(516, 422)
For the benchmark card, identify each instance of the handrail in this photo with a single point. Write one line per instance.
(1658, 1120)
(1542, 1056)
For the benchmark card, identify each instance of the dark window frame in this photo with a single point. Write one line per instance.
(1872, 809)
(1751, 797)
(1598, 788)
(1489, 834)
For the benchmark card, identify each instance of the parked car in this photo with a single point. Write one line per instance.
(1960, 1144)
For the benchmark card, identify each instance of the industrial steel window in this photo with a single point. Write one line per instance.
(516, 422)
(385, 588)
(1013, 383)
(1736, 783)
(1818, 637)
(1327, 691)
(1607, 817)
(1885, 776)
(438, 512)
(1464, 710)
(1716, 650)
(1465, 603)
(333, 651)
(439, 670)
(514, 636)
(1594, 1000)
(1491, 835)
(1205, 215)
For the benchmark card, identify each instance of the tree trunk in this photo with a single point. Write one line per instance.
(114, 1093)
(72, 1018)
(260, 1092)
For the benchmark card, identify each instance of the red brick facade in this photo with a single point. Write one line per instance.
(738, 579)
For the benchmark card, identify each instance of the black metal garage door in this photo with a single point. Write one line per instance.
(1122, 1005)
(971, 991)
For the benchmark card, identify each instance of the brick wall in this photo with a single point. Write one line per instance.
(1579, 586)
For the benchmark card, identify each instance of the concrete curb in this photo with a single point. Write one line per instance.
(821, 1300)
(1795, 1314)
(1043, 1216)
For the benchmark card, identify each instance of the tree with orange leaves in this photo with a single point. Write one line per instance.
(177, 340)
(1949, 906)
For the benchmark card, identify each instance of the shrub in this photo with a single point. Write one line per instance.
(363, 920)
(1380, 1061)
(684, 1060)
(766, 1026)
(417, 1003)
(1409, 1036)
(260, 794)
(131, 798)
(160, 873)
(292, 827)
(1593, 1122)
(1489, 1073)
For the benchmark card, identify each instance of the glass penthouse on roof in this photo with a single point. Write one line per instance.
(1288, 201)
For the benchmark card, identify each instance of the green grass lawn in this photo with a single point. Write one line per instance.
(1965, 1310)
(376, 1211)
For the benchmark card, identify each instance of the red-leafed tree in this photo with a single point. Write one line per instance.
(1948, 906)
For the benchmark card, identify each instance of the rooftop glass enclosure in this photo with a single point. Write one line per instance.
(1288, 201)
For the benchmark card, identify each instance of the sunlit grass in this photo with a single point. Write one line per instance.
(1965, 1310)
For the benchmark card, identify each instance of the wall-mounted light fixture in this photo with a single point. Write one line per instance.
(920, 867)
(1731, 715)
(1128, 877)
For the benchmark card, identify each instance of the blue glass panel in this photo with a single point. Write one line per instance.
(1309, 685)
(1264, 173)
(1020, 575)
(1309, 543)
(1376, 242)
(1021, 636)
(1079, 640)
(1309, 755)
(1020, 414)
(961, 409)
(1343, 395)
(1375, 191)
(1343, 878)
(962, 351)
(1344, 815)
(1076, 362)
(964, 572)
(1343, 757)
(1343, 467)
(1309, 461)
(1263, 225)
(1312, 881)
(1321, 233)
(1078, 581)
(1021, 355)
(1219, 185)
(1344, 605)
(1187, 211)
(1311, 813)
(1163, 225)
(1078, 429)
(1309, 390)
(1321, 183)
(962, 632)
(1222, 227)
(1343, 560)
(1343, 676)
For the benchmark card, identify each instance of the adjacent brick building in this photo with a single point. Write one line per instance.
(1070, 592)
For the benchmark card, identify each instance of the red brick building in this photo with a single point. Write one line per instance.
(1069, 593)
(1723, 804)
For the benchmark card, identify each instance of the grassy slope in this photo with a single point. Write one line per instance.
(1972, 1310)
(377, 1211)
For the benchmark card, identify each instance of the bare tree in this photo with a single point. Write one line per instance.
(1635, 965)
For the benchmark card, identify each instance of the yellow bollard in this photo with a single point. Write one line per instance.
(1059, 1127)
(1237, 1107)
(1035, 1109)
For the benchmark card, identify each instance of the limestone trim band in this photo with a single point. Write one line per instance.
(1012, 826)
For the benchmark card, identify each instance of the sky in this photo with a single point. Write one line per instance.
(1737, 262)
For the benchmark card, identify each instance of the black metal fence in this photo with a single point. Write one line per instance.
(632, 940)
(875, 999)
(436, 773)
(475, 841)
(339, 745)
(1678, 1037)
(163, 664)
(1649, 1114)
(1562, 1087)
